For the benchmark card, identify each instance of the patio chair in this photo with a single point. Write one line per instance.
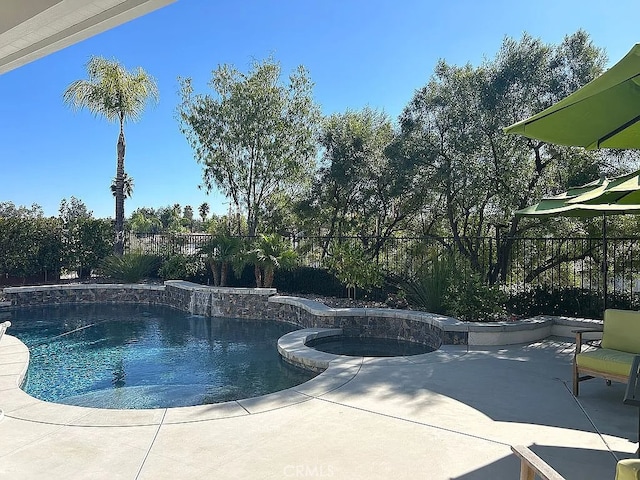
(532, 466)
(628, 469)
(620, 344)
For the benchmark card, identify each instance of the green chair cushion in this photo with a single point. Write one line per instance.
(621, 330)
(606, 360)
(628, 469)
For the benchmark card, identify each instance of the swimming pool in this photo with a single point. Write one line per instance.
(135, 356)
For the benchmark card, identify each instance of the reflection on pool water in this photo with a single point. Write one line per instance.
(134, 356)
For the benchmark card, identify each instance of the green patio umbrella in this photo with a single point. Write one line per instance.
(620, 193)
(603, 197)
(560, 204)
(605, 113)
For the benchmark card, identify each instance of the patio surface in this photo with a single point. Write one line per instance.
(451, 414)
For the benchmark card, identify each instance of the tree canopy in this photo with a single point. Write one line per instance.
(475, 177)
(359, 190)
(444, 170)
(255, 136)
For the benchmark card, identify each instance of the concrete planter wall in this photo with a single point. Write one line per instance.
(263, 303)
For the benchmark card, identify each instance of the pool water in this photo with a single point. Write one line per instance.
(368, 346)
(134, 356)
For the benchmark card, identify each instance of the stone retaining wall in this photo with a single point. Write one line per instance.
(263, 303)
(185, 296)
(367, 322)
(219, 301)
(82, 293)
(257, 303)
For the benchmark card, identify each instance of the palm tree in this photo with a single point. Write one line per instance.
(222, 252)
(127, 189)
(270, 252)
(203, 210)
(118, 95)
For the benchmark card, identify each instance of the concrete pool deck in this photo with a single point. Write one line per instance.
(450, 414)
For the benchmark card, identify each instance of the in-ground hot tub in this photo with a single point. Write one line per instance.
(295, 348)
(367, 346)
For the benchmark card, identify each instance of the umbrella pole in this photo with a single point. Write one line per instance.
(605, 265)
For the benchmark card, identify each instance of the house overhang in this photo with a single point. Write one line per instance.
(32, 29)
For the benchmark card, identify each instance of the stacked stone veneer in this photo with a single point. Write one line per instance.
(219, 301)
(426, 328)
(82, 293)
(256, 303)
(185, 296)
(263, 303)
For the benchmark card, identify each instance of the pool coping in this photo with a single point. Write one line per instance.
(294, 350)
(17, 404)
(337, 371)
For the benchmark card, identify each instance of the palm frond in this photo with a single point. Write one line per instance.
(111, 91)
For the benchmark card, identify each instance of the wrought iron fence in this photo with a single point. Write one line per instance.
(577, 265)
(165, 244)
(517, 264)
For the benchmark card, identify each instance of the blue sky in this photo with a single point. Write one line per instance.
(358, 52)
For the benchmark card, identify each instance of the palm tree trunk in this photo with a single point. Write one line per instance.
(224, 269)
(118, 246)
(268, 277)
(216, 273)
(257, 271)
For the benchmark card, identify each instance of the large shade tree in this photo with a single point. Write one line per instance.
(358, 189)
(145, 220)
(473, 176)
(255, 136)
(118, 95)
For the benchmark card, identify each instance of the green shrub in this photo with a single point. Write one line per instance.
(318, 281)
(429, 289)
(571, 302)
(182, 267)
(130, 267)
(30, 246)
(470, 299)
(353, 268)
(87, 242)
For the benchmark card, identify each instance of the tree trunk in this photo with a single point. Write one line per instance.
(251, 224)
(268, 277)
(216, 274)
(118, 245)
(224, 269)
(351, 289)
(258, 274)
